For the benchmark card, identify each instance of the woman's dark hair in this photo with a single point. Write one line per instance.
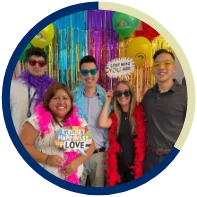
(87, 59)
(160, 51)
(49, 94)
(35, 51)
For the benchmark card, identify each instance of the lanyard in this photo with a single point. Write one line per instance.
(30, 100)
(55, 120)
(59, 124)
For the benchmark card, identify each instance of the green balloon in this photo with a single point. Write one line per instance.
(22, 57)
(124, 24)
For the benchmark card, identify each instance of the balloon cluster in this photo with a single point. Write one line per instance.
(138, 41)
(139, 48)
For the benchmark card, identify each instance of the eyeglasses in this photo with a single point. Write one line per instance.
(85, 72)
(166, 64)
(34, 62)
(119, 93)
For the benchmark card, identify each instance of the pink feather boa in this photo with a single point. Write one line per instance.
(44, 119)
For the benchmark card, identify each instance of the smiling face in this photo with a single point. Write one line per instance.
(163, 68)
(89, 80)
(60, 104)
(123, 100)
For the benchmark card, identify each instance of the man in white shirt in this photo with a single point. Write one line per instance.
(28, 89)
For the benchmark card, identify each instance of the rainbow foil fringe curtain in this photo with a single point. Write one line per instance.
(92, 33)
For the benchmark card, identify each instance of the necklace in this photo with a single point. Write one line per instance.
(125, 115)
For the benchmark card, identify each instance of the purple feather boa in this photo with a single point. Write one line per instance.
(39, 83)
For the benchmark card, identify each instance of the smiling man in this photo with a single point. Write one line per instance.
(90, 99)
(27, 90)
(165, 107)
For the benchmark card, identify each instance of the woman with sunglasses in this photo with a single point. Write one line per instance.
(127, 142)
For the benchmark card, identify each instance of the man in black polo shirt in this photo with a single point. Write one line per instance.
(165, 107)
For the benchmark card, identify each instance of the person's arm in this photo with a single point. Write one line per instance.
(28, 136)
(144, 98)
(74, 164)
(184, 81)
(104, 120)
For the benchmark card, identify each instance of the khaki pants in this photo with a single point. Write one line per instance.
(94, 171)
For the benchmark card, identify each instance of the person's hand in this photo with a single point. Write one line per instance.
(109, 96)
(70, 168)
(54, 160)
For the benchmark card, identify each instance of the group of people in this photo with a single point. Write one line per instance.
(129, 138)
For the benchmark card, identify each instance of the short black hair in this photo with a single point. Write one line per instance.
(35, 51)
(160, 51)
(87, 59)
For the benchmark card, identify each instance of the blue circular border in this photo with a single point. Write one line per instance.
(15, 139)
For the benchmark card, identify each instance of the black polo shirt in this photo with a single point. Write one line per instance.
(165, 115)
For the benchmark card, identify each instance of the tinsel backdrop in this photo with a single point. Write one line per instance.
(92, 33)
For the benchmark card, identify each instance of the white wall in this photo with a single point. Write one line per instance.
(179, 73)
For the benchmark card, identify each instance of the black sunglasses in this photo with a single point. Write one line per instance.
(119, 93)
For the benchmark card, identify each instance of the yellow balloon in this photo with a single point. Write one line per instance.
(140, 50)
(44, 37)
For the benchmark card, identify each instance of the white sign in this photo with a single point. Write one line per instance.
(74, 138)
(120, 67)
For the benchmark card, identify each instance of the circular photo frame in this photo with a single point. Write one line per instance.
(95, 5)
